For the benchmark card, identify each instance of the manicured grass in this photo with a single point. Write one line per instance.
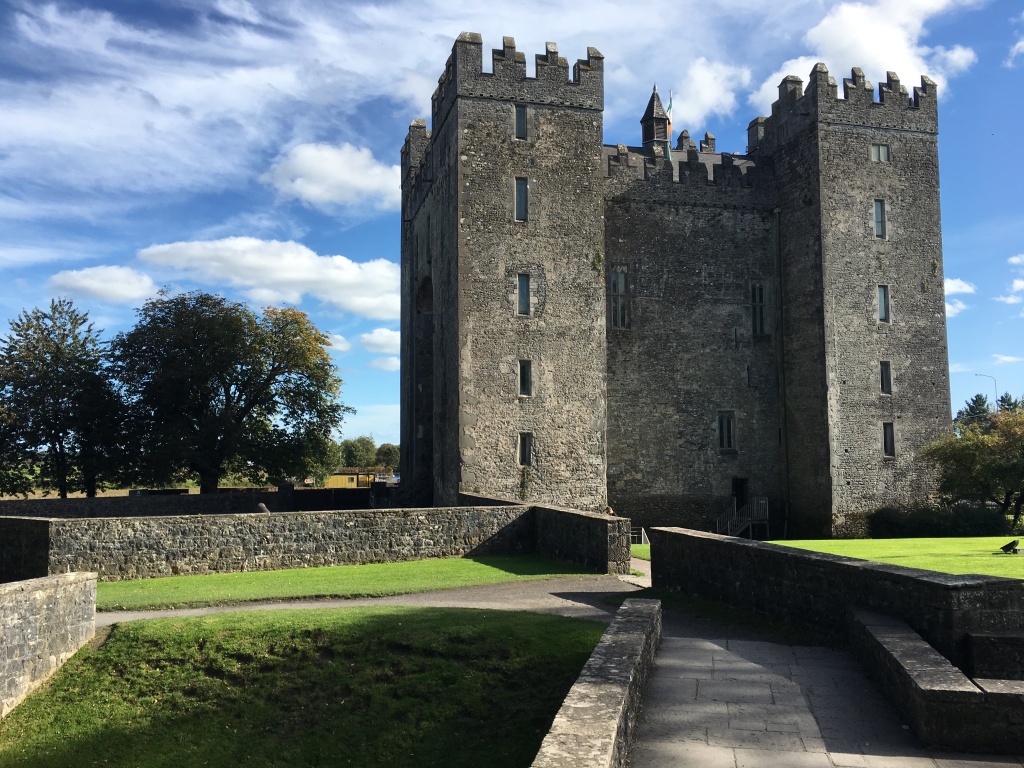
(641, 551)
(950, 555)
(360, 686)
(336, 581)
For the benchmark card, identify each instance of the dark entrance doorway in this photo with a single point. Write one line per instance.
(739, 491)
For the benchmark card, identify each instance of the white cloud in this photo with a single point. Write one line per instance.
(954, 307)
(107, 283)
(386, 363)
(272, 271)
(711, 88)
(1018, 285)
(882, 36)
(959, 368)
(956, 285)
(325, 176)
(340, 343)
(1013, 299)
(1003, 359)
(381, 341)
(1017, 260)
(1015, 51)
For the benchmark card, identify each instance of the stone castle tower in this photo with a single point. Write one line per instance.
(671, 330)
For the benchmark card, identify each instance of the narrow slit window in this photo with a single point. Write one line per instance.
(618, 296)
(888, 439)
(726, 430)
(526, 449)
(884, 313)
(757, 307)
(885, 371)
(880, 219)
(524, 294)
(880, 153)
(522, 199)
(520, 121)
(525, 378)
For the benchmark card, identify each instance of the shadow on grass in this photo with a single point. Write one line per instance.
(369, 687)
(532, 565)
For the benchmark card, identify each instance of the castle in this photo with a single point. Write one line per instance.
(675, 331)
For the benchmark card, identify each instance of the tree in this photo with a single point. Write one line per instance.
(61, 407)
(975, 411)
(387, 455)
(1008, 402)
(214, 388)
(358, 452)
(984, 462)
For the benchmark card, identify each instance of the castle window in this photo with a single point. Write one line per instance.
(880, 219)
(618, 296)
(526, 449)
(888, 439)
(524, 294)
(884, 314)
(880, 153)
(885, 371)
(520, 121)
(522, 202)
(727, 431)
(757, 307)
(525, 378)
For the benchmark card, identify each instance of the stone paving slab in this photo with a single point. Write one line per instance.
(738, 702)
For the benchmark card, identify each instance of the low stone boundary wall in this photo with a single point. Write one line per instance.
(43, 622)
(943, 706)
(595, 724)
(596, 541)
(997, 655)
(144, 506)
(145, 547)
(815, 589)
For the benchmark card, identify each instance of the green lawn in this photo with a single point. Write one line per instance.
(641, 551)
(336, 581)
(381, 686)
(948, 555)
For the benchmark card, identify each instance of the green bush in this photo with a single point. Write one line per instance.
(937, 521)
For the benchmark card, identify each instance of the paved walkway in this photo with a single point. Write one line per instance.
(718, 695)
(719, 699)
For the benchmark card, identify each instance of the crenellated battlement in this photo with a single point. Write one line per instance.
(894, 107)
(464, 76)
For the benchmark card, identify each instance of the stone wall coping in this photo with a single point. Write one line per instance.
(308, 513)
(1009, 687)
(46, 582)
(941, 580)
(595, 724)
(580, 512)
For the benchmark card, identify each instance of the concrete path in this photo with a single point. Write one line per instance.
(728, 700)
(584, 597)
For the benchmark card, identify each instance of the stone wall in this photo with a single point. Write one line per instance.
(597, 541)
(44, 621)
(141, 506)
(146, 547)
(814, 589)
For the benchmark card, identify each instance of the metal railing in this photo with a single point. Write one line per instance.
(735, 521)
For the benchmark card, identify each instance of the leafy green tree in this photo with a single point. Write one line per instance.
(61, 406)
(358, 452)
(215, 388)
(1008, 402)
(975, 411)
(984, 462)
(387, 455)
(15, 472)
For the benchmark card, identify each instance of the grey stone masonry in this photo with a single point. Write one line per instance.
(670, 328)
(816, 589)
(146, 547)
(43, 622)
(596, 722)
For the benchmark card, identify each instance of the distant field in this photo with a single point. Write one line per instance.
(948, 555)
(641, 551)
(375, 580)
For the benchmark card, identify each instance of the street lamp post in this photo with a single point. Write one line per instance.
(995, 388)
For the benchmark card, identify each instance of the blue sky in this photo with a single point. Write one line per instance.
(251, 148)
